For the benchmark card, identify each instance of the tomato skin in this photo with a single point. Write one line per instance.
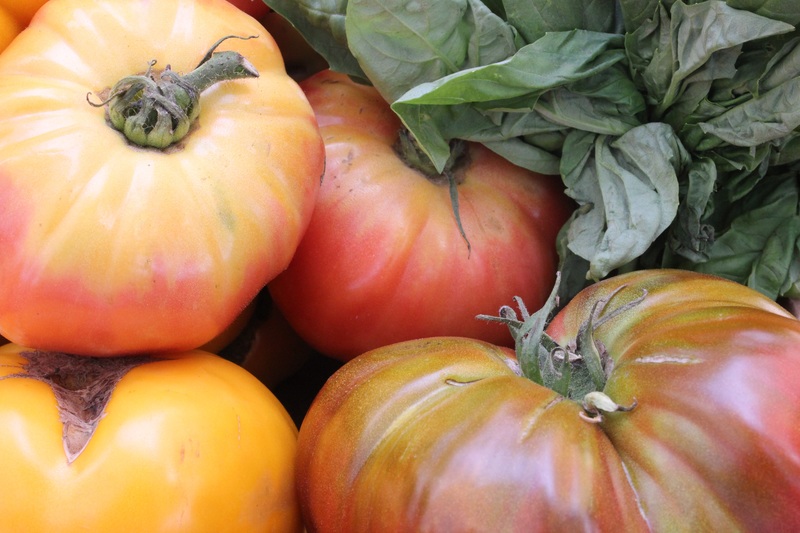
(715, 368)
(189, 443)
(105, 238)
(383, 259)
(453, 440)
(22, 10)
(9, 27)
(444, 434)
(263, 343)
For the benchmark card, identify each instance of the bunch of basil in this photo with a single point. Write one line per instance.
(675, 126)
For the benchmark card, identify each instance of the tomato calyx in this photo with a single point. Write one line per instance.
(82, 387)
(157, 110)
(410, 152)
(580, 369)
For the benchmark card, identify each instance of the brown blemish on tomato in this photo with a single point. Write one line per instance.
(82, 387)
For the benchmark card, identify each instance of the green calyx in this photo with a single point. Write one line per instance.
(158, 110)
(578, 371)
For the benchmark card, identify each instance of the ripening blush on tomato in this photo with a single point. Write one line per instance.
(189, 442)
(131, 225)
(384, 258)
(688, 421)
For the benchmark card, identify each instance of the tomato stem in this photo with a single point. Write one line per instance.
(158, 110)
(580, 369)
(408, 149)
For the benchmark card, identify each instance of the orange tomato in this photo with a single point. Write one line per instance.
(22, 10)
(9, 27)
(186, 443)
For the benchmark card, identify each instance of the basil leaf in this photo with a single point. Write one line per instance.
(400, 44)
(767, 118)
(516, 83)
(690, 234)
(322, 25)
(627, 188)
(785, 10)
(761, 244)
(535, 18)
(703, 44)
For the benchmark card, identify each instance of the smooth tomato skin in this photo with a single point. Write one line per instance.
(383, 260)
(715, 367)
(22, 10)
(9, 27)
(188, 443)
(444, 434)
(104, 238)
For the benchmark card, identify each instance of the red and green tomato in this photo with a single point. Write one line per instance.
(447, 434)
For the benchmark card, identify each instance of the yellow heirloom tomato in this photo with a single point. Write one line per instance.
(184, 443)
(134, 217)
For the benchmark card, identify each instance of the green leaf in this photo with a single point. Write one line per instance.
(554, 60)
(760, 247)
(322, 25)
(515, 83)
(703, 44)
(636, 13)
(766, 118)
(690, 236)
(401, 44)
(535, 18)
(628, 189)
(785, 10)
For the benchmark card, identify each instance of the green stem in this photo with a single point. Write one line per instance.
(409, 151)
(158, 111)
(578, 370)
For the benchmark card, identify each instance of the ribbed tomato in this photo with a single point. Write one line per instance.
(110, 247)
(384, 259)
(694, 426)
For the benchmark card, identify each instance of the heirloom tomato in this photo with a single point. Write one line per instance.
(694, 426)
(120, 236)
(185, 442)
(264, 344)
(384, 260)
